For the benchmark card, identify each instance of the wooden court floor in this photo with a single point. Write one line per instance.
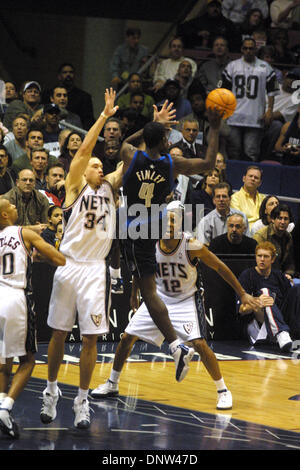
(265, 385)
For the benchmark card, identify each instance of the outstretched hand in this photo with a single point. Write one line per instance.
(110, 96)
(248, 299)
(166, 116)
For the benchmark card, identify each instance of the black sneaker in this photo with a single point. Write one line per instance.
(7, 424)
(117, 285)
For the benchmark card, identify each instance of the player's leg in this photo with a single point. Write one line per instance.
(224, 399)
(5, 374)
(88, 357)
(19, 381)
(52, 392)
(110, 387)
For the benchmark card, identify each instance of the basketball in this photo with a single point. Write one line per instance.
(222, 99)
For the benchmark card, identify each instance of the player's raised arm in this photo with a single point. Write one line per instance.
(84, 153)
(48, 252)
(193, 166)
(198, 250)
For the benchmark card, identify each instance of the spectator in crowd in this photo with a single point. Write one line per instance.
(6, 179)
(29, 104)
(34, 139)
(112, 131)
(55, 184)
(39, 162)
(253, 21)
(137, 101)
(277, 316)
(11, 92)
(51, 130)
(280, 40)
(70, 147)
(215, 222)
(267, 53)
(201, 31)
(266, 207)
(210, 72)
(54, 218)
(32, 206)
(58, 235)
(248, 199)
(167, 68)
(135, 85)
(127, 58)
(15, 141)
(188, 143)
(184, 76)
(288, 142)
(221, 166)
(250, 79)
(285, 14)
(79, 101)
(284, 109)
(276, 232)
(234, 241)
(59, 97)
(196, 97)
(239, 12)
(183, 188)
(111, 156)
(171, 91)
(201, 195)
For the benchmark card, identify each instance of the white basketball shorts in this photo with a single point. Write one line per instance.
(13, 323)
(183, 316)
(82, 288)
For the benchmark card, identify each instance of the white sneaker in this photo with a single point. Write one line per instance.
(48, 410)
(108, 389)
(284, 340)
(224, 401)
(182, 357)
(82, 413)
(7, 424)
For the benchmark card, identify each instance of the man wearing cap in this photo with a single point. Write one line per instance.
(171, 92)
(51, 130)
(30, 103)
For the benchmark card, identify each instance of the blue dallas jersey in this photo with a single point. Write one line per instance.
(147, 182)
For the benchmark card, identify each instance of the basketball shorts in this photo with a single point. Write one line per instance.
(140, 256)
(17, 324)
(82, 288)
(184, 316)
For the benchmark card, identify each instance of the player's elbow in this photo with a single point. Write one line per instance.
(59, 260)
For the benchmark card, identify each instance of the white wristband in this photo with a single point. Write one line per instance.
(104, 115)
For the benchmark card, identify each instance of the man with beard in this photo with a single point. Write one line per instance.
(55, 184)
(234, 241)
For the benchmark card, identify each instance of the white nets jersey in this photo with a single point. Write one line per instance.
(89, 225)
(249, 82)
(15, 263)
(176, 275)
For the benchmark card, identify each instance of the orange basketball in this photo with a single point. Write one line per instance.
(222, 99)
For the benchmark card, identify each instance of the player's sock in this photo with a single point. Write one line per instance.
(174, 345)
(220, 385)
(52, 387)
(114, 376)
(82, 394)
(115, 272)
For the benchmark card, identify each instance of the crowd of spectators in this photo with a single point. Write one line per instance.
(246, 46)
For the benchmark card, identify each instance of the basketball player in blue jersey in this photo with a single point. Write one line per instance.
(84, 285)
(177, 281)
(17, 317)
(148, 177)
